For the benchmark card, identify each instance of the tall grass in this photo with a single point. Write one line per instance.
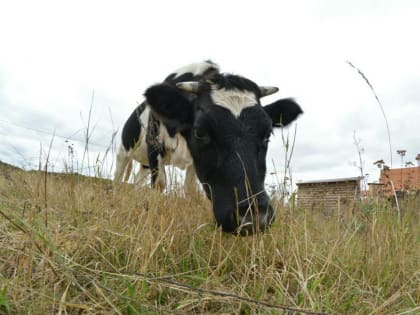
(137, 251)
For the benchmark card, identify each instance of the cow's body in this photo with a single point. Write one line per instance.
(146, 140)
(213, 125)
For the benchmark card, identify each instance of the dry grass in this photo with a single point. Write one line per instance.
(80, 248)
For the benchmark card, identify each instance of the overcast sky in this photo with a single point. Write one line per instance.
(57, 58)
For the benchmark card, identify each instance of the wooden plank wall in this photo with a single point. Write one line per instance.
(328, 196)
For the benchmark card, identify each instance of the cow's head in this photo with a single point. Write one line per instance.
(227, 131)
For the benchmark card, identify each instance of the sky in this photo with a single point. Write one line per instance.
(68, 67)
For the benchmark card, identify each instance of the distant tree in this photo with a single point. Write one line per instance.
(402, 154)
(379, 163)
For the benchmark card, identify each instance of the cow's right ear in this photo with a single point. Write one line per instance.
(170, 105)
(283, 111)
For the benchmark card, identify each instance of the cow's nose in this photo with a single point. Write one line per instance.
(254, 218)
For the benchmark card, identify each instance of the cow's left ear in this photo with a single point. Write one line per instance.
(171, 106)
(283, 112)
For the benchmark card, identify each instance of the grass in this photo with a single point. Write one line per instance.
(69, 244)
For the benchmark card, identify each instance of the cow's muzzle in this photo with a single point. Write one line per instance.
(254, 217)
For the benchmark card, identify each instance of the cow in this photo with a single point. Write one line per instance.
(218, 124)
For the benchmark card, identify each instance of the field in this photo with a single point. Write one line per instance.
(69, 244)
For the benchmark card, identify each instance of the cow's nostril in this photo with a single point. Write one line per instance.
(254, 217)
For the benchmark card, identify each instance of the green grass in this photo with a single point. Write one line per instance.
(79, 247)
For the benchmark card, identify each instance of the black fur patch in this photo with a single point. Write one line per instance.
(132, 128)
(174, 78)
(231, 82)
(283, 112)
(171, 106)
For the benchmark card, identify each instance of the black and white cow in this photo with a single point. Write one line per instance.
(216, 125)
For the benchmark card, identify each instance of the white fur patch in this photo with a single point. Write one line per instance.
(233, 100)
(144, 118)
(195, 68)
(139, 153)
(177, 152)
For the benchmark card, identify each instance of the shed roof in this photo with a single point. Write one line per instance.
(333, 180)
(376, 184)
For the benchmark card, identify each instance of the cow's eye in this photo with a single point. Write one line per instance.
(201, 135)
(265, 142)
(266, 139)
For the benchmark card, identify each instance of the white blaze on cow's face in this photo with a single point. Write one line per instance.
(177, 152)
(234, 100)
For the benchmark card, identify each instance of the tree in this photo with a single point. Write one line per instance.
(402, 154)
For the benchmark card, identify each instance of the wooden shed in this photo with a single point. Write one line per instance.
(328, 195)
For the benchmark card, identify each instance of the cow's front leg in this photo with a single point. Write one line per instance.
(123, 160)
(190, 183)
(140, 177)
(161, 174)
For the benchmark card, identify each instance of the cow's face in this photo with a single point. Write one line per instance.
(227, 132)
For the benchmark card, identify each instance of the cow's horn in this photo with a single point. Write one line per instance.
(268, 90)
(189, 86)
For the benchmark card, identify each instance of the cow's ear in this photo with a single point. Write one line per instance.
(283, 112)
(170, 105)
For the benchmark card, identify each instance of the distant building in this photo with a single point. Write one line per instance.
(404, 180)
(329, 194)
(375, 189)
